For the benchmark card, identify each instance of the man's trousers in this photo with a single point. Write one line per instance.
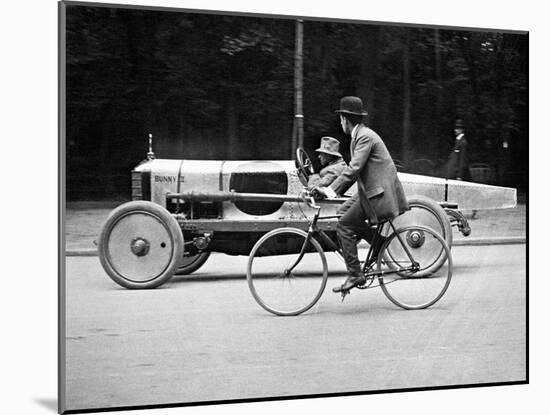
(351, 227)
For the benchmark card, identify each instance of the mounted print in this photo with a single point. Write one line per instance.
(259, 207)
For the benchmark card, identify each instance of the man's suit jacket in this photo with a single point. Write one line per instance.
(458, 160)
(327, 174)
(379, 189)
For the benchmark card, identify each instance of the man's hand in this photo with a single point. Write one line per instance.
(327, 192)
(315, 193)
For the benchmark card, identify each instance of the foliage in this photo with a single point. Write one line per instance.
(221, 86)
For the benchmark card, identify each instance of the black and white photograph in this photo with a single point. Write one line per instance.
(283, 209)
(265, 206)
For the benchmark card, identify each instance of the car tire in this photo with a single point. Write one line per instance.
(192, 263)
(140, 245)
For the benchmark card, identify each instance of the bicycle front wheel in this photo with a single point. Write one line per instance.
(408, 276)
(287, 271)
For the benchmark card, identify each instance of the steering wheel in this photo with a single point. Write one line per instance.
(303, 163)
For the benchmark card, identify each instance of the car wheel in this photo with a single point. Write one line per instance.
(140, 245)
(192, 263)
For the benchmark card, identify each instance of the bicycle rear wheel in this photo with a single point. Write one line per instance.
(274, 285)
(426, 213)
(420, 287)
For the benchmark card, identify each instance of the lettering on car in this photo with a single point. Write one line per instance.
(166, 179)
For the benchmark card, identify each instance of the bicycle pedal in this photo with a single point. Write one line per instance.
(344, 293)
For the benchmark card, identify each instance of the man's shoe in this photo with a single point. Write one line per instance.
(351, 281)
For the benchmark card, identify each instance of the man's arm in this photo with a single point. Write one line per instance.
(328, 178)
(313, 181)
(361, 153)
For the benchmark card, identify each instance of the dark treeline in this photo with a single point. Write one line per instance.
(221, 87)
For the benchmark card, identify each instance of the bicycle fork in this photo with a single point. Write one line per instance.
(288, 271)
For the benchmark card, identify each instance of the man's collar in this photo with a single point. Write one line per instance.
(458, 137)
(354, 130)
(336, 160)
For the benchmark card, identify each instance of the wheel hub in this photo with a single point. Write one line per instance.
(415, 238)
(140, 246)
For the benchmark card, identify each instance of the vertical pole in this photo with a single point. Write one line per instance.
(298, 130)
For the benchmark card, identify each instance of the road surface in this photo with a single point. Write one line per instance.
(206, 339)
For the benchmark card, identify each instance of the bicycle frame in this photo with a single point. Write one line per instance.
(270, 283)
(314, 230)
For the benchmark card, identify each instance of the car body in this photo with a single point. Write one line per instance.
(226, 206)
(154, 179)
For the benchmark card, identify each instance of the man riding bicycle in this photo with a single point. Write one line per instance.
(380, 195)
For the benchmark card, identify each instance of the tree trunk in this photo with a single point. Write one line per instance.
(468, 51)
(439, 97)
(405, 142)
(499, 92)
(368, 55)
(232, 122)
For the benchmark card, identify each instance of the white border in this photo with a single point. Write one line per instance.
(29, 146)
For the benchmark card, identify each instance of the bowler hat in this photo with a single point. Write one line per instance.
(459, 123)
(351, 105)
(330, 146)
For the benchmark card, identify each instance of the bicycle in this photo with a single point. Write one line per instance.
(413, 269)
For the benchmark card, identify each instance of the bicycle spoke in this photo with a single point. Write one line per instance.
(419, 284)
(272, 284)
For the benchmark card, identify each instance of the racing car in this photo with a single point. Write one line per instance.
(183, 210)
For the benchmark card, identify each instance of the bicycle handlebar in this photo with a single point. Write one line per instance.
(309, 200)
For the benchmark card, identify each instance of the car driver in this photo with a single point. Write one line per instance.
(331, 161)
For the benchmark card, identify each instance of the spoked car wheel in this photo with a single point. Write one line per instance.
(140, 245)
(281, 280)
(424, 285)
